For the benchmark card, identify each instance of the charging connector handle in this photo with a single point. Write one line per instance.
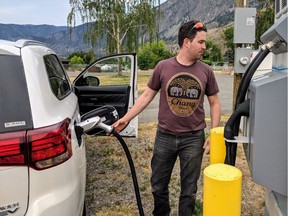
(90, 123)
(95, 122)
(107, 128)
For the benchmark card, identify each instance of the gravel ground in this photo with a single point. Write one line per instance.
(110, 190)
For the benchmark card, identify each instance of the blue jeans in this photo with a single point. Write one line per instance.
(167, 147)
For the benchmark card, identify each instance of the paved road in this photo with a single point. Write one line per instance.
(225, 83)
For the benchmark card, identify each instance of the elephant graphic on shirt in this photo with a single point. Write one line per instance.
(176, 91)
(192, 93)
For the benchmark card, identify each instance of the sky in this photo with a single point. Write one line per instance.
(36, 12)
(52, 12)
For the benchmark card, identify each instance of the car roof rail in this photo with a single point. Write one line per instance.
(25, 42)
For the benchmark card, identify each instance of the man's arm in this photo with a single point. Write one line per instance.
(215, 114)
(215, 110)
(140, 104)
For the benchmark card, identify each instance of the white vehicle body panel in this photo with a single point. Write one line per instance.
(58, 190)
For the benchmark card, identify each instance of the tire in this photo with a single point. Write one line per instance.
(84, 210)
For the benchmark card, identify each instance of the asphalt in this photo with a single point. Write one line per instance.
(225, 83)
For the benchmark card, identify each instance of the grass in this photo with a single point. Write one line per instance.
(110, 189)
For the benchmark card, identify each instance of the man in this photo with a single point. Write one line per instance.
(182, 81)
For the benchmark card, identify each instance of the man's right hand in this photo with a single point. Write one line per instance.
(120, 125)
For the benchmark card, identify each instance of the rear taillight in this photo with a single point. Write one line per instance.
(12, 148)
(49, 146)
(41, 148)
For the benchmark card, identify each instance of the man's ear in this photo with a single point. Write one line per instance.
(186, 42)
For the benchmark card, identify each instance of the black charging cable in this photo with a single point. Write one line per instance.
(232, 128)
(133, 172)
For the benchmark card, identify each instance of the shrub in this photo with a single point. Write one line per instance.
(76, 60)
(151, 53)
(207, 61)
(88, 57)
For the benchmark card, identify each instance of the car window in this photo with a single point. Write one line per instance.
(58, 80)
(15, 111)
(111, 71)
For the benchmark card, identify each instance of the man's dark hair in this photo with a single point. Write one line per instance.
(186, 31)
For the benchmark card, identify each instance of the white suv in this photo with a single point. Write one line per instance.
(42, 151)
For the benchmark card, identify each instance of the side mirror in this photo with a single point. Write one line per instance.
(87, 81)
(92, 81)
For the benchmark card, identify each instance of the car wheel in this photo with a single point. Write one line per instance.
(84, 210)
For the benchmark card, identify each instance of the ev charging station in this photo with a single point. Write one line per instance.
(262, 102)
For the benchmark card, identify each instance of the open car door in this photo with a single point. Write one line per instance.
(110, 80)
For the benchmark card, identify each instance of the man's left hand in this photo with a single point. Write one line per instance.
(206, 146)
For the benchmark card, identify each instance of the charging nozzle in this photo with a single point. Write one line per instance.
(89, 124)
(98, 121)
(95, 123)
(105, 127)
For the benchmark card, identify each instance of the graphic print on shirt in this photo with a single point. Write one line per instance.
(183, 93)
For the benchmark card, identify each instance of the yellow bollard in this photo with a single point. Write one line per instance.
(217, 145)
(222, 190)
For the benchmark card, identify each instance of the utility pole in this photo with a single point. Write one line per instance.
(239, 3)
(237, 76)
(244, 21)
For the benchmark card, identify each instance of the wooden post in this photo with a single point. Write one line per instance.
(236, 80)
(237, 76)
(239, 3)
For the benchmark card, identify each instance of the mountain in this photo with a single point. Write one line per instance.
(56, 37)
(174, 13)
(13, 31)
(215, 14)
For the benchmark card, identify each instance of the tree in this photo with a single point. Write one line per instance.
(151, 53)
(76, 60)
(228, 34)
(87, 57)
(120, 22)
(213, 52)
(265, 19)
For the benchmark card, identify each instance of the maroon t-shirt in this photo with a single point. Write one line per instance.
(182, 89)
